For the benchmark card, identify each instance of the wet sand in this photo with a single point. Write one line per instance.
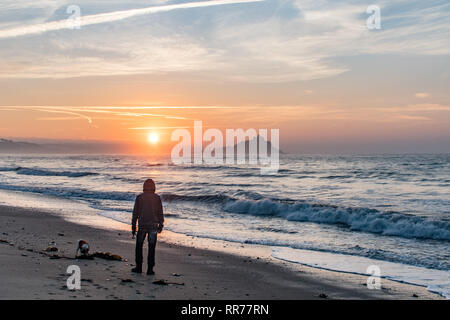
(194, 268)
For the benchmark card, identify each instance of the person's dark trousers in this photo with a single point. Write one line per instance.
(152, 239)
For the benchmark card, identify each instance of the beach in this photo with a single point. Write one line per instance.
(190, 267)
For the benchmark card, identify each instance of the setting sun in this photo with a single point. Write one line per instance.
(153, 138)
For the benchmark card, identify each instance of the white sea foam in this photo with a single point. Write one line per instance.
(435, 280)
(358, 219)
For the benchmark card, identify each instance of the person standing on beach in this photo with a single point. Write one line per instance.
(148, 211)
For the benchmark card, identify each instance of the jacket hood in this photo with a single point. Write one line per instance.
(149, 186)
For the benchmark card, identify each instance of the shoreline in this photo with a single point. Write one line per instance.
(197, 268)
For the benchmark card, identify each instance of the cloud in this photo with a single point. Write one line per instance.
(159, 128)
(56, 118)
(423, 107)
(110, 17)
(90, 113)
(268, 42)
(54, 110)
(413, 118)
(422, 95)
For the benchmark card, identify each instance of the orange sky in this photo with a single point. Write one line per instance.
(299, 125)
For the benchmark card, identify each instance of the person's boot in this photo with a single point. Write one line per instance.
(150, 272)
(137, 270)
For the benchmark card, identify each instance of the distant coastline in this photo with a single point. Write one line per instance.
(8, 146)
(76, 147)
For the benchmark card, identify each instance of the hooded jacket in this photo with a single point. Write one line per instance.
(148, 209)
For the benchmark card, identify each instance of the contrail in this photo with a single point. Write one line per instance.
(111, 16)
(79, 115)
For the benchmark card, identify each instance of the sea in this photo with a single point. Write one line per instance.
(345, 213)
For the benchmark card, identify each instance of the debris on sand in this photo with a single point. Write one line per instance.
(88, 257)
(4, 241)
(176, 275)
(163, 282)
(100, 255)
(107, 256)
(51, 253)
(127, 281)
(87, 280)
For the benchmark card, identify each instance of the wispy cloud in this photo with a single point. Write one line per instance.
(88, 112)
(267, 42)
(111, 17)
(422, 95)
(159, 128)
(54, 110)
(57, 118)
(413, 118)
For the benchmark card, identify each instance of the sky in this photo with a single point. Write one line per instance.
(312, 69)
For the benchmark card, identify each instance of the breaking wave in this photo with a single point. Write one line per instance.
(356, 219)
(387, 223)
(48, 173)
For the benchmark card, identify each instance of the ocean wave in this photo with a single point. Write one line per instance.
(70, 193)
(8, 169)
(356, 219)
(337, 177)
(274, 230)
(42, 173)
(168, 197)
(47, 173)
(155, 164)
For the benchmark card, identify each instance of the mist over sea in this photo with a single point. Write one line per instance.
(391, 208)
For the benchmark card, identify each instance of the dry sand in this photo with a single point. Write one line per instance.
(201, 269)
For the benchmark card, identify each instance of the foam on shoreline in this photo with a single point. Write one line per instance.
(437, 281)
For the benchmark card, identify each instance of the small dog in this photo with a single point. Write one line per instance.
(83, 248)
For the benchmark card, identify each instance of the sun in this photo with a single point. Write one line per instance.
(153, 138)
